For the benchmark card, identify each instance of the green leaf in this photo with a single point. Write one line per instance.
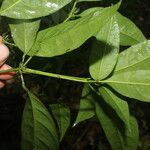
(132, 136)
(105, 51)
(114, 131)
(70, 35)
(38, 128)
(129, 32)
(119, 106)
(132, 73)
(24, 33)
(29, 9)
(87, 108)
(62, 116)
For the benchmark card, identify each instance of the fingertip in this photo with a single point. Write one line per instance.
(6, 76)
(1, 39)
(4, 53)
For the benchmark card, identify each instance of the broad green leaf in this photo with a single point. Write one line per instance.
(105, 49)
(118, 139)
(24, 33)
(90, 10)
(119, 106)
(132, 73)
(129, 32)
(87, 108)
(29, 9)
(70, 35)
(62, 116)
(38, 128)
(132, 137)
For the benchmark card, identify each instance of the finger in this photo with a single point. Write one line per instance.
(1, 84)
(4, 52)
(6, 76)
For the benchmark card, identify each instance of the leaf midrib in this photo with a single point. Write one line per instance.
(121, 82)
(11, 6)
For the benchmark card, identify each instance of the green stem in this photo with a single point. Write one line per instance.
(9, 70)
(27, 61)
(72, 11)
(8, 43)
(24, 70)
(58, 76)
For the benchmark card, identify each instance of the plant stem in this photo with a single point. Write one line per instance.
(58, 76)
(9, 70)
(72, 11)
(27, 61)
(25, 70)
(8, 43)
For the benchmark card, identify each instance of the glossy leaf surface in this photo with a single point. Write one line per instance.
(105, 49)
(29, 9)
(115, 133)
(87, 108)
(70, 35)
(38, 128)
(62, 116)
(132, 73)
(119, 106)
(24, 33)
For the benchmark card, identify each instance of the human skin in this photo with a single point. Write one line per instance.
(4, 53)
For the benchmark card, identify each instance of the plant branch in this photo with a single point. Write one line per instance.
(25, 70)
(72, 11)
(58, 76)
(9, 70)
(27, 61)
(8, 43)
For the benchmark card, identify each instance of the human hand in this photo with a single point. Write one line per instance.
(4, 53)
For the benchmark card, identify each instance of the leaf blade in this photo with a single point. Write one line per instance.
(117, 137)
(87, 108)
(104, 52)
(130, 34)
(42, 133)
(70, 35)
(132, 73)
(26, 9)
(62, 116)
(119, 106)
(24, 33)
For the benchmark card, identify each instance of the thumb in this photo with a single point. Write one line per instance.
(4, 52)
